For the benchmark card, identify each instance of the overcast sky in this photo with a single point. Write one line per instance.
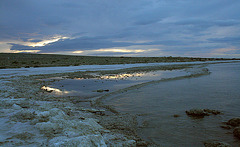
(204, 28)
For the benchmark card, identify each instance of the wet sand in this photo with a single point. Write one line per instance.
(32, 115)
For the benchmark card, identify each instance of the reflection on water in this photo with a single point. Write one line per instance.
(109, 83)
(132, 76)
(54, 90)
(219, 90)
(122, 76)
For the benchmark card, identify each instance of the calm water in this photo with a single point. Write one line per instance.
(159, 102)
(88, 87)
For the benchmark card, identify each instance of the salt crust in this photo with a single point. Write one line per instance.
(34, 122)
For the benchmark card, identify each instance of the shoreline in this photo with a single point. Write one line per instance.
(53, 119)
(35, 118)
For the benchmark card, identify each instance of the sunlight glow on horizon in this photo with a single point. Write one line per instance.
(47, 41)
(120, 50)
(26, 51)
(77, 52)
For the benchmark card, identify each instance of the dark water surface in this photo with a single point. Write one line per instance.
(159, 102)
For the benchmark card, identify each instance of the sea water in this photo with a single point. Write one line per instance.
(157, 103)
(88, 88)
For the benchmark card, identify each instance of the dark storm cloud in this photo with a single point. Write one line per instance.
(234, 41)
(226, 40)
(208, 23)
(82, 43)
(35, 40)
(177, 26)
(20, 47)
(30, 40)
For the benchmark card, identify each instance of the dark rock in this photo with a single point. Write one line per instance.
(226, 127)
(216, 144)
(215, 112)
(100, 111)
(200, 113)
(236, 132)
(176, 115)
(197, 113)
(235, 122)
(102, 90)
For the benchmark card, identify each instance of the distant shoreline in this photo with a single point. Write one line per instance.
(19, 60)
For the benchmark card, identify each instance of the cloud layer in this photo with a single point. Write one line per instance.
(158, 27)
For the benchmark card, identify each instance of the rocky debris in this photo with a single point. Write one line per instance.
(200, 113)
(226, 127)
(236, 132)
(17, 107)
(42, 117)
(216, 144)
(45, 123)
(61, 124)
(25, 104)
(197, 113)
(84, 141)
(209, 111)
(235, 122)
(92, 110)
(118, 140)
(142, 143)
(176, 115)
(49, 128)
(7, 102)
(24, 136)
(127, 143)
(24, 115)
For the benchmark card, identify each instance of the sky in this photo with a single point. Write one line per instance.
(152, 28)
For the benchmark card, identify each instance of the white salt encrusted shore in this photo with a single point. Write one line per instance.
(28, 118)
